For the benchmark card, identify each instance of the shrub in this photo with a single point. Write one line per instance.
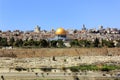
(20, 69)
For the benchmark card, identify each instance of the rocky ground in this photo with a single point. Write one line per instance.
(58, 76)
(32, 60)
(56, 62)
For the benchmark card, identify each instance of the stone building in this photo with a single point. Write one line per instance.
(37, 29)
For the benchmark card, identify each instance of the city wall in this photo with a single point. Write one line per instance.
(48, 52)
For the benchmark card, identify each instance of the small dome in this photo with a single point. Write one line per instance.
(60, 31)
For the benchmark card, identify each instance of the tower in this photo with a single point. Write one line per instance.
(37, 29)
(83, 28)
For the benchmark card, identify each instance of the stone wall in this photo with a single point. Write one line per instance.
(49, 52)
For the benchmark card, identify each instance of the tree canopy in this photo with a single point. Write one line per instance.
(57, 43)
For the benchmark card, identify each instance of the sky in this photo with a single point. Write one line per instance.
(52, 14)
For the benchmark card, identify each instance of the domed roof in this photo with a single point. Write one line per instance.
(60, 31)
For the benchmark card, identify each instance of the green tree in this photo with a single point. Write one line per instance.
(3, 42)
(53, 43)
(12, 40)
(118, 44)
(31, 42)
(0, 41)
(110, 44)
(36, 43)
(60, 43)
(96, 43)
(75, 31)
(25, 43)
(74, 43)
(44, 43)
(84, 43)
(107, 43)
(18, 43)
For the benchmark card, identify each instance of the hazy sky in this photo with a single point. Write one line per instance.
(69, 14)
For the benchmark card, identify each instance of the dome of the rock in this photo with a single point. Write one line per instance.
(60, 31)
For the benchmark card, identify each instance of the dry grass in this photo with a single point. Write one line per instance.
(45, 52)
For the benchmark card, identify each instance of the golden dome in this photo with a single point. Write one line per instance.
(60, 31)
